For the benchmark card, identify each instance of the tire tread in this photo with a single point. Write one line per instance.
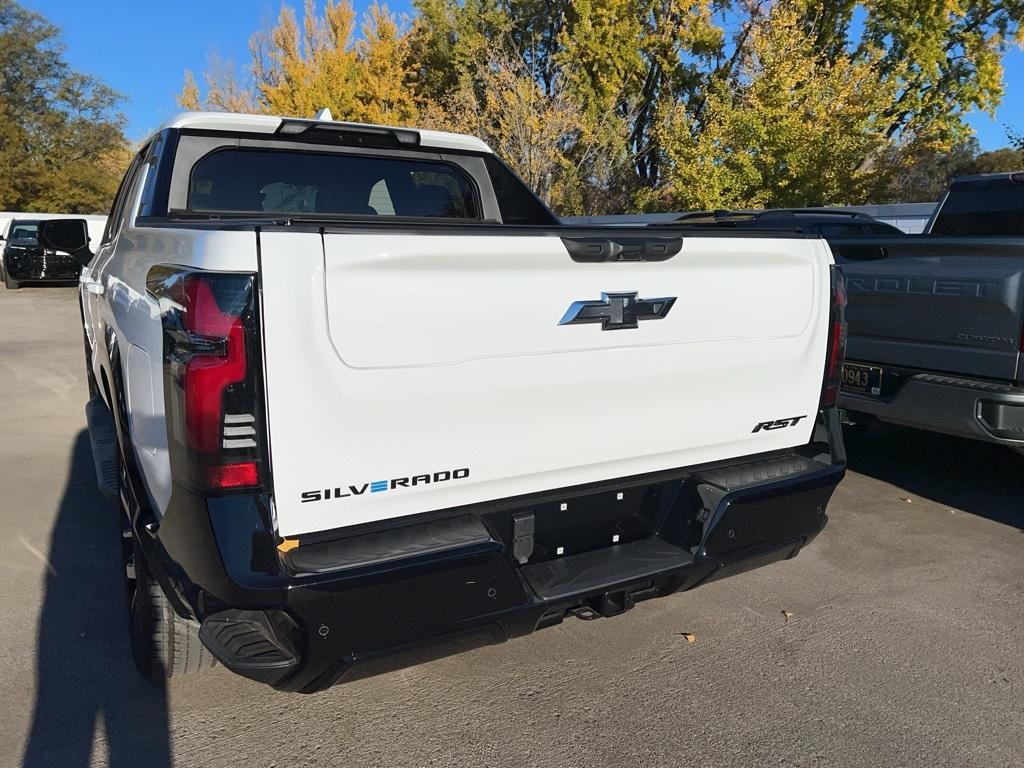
(174, 645)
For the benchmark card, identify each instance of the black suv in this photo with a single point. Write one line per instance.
(24, 260)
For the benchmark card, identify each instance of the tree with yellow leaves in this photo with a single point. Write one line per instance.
(787, 129)
(613, 105)
(298, 69)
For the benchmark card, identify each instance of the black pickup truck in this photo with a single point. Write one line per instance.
(935, 320)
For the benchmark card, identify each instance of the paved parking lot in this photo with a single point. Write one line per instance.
(902, 644)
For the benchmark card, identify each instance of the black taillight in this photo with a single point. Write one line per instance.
(836, 351)
(212, 376)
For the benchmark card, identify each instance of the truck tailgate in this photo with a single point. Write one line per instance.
(413, 372)
(936, 303)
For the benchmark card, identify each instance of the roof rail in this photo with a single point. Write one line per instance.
(771, 212)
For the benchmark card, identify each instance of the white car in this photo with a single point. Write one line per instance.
(357, 389)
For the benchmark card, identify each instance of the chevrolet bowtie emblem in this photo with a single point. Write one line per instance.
(617, 310)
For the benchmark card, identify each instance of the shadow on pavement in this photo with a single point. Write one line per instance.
(976, 477)
(85, 677)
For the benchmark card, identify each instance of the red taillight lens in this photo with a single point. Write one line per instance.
(212, 383)
(244, 475)
(836, 342)
(207, 375)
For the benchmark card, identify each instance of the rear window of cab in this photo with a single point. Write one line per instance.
(23, 230)
(260, 181)
(984, 208)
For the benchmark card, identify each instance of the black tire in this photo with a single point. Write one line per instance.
(12, 284)
(164, 645)
(1018, 449)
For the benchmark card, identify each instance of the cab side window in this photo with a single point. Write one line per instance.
(119, 211)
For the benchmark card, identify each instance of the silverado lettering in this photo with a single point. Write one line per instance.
(379, 486)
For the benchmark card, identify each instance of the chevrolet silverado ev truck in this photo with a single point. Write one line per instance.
(357, 390)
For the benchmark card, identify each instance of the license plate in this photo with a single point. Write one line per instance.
(862, 378)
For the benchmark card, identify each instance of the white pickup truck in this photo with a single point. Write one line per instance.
(357, 390)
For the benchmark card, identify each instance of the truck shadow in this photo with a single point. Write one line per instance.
(85, 676)
(976, 477)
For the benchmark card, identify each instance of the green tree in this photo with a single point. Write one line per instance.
(659, 103)
(783, 130)
(996, 161)
(881, 83)
(925, 171)
(62, 144)
(512, 111)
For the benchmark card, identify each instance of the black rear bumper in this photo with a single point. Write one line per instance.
(304, 618)
(36, 267)
(974, 408)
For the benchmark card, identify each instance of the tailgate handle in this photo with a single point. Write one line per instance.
(591, 250)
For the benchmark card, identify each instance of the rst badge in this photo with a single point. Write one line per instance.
(792, 421)
(616, 311)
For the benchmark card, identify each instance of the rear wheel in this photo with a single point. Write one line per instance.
(1018, 449)
(164, 645)
(10, 282)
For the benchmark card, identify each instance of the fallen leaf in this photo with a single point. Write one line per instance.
(786, 615)
(690, 637)
(906, 499)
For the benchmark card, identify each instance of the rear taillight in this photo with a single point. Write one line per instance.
(212, 380)
(836, 351)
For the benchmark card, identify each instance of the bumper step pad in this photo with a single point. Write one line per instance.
(605, 569)
(757, 472)
(251, 644)
(395, 544)
(714, 485)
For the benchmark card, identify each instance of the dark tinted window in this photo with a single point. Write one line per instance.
(152, 159)
(993, 207)
(884, 230)
(121, 199)
(245, 180)
(23, 230)
(841, 230)
(518, 205)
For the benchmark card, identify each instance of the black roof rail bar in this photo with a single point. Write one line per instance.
(812, 211)
(300, 127)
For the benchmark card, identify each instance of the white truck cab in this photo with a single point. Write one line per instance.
(357, 389)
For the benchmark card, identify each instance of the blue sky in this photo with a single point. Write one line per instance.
(142, 50)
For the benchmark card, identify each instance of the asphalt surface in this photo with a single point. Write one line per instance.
(893, 640)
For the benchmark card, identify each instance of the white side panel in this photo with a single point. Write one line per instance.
(134, 315)
(398, 356)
